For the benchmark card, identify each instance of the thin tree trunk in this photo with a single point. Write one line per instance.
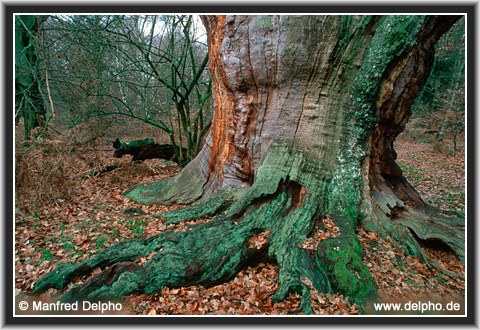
(441, 130)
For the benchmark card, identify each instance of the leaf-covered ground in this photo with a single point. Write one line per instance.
(61, 216)
(435, 172)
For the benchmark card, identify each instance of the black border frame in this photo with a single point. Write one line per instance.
(393, 7)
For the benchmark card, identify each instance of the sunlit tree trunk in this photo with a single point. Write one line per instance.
(306, 112)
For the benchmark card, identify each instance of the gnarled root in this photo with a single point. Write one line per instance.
(402, 215)
(271, 221)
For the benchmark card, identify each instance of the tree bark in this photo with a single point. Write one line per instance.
(28, 97)
(306, 112)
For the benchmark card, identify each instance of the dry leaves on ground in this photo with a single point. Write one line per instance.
(72, 219)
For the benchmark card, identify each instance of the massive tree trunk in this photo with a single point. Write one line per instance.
(306, 112)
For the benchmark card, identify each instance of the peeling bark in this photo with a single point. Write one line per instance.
(306, 112)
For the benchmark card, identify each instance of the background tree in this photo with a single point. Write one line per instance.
(306, 112)
(29, 101)
(440, 106)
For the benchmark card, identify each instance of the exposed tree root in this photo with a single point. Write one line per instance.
(210, 254)
(397, 211)
(186, 188)
(430, 224)
(213, 252)
(212, 207)
(284, 206)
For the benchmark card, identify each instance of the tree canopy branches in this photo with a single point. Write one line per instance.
(148, 68)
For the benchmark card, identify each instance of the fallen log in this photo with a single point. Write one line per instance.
(145, 149)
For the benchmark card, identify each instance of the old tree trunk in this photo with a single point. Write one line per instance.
(306, 112)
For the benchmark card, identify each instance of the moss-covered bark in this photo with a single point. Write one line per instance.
(305, 111)
(286, 201)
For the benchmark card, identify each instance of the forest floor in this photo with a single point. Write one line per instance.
(61, 215)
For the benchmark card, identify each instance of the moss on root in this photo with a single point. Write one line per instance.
(286, 201)
(213, 206)
(341, 257)
(183, 189)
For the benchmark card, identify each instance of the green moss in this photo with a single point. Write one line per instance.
(388, 42)
(343, 38)
(184, 188)
(139, 143)
(291, 48)
(213, 206)
(58, 278)
(341, 257)
(264, 23)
